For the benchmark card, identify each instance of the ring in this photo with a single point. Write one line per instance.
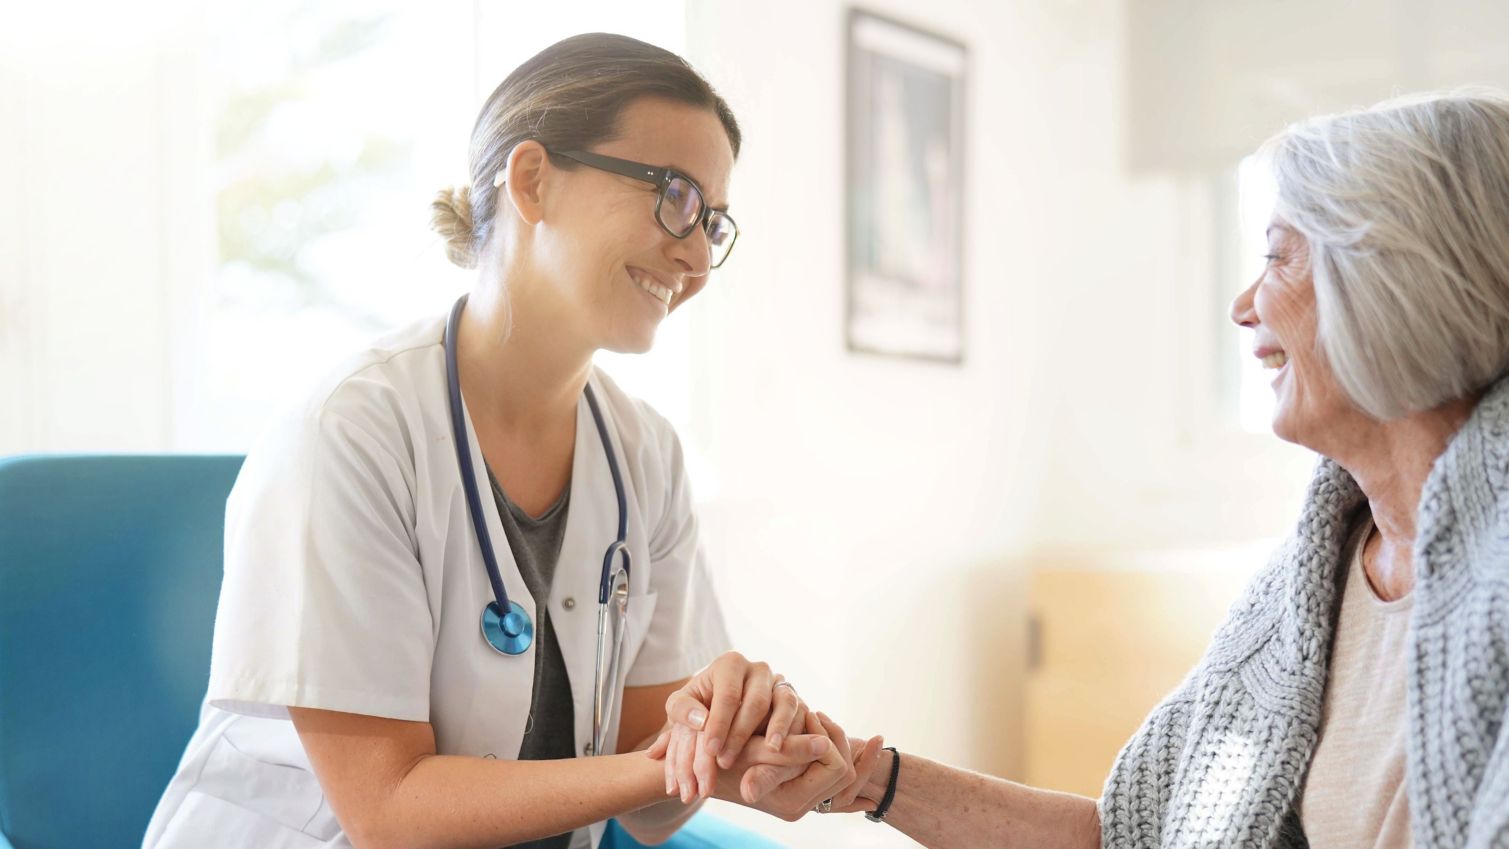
(784, 683)
(825, 806)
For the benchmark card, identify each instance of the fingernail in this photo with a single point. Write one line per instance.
(775, 741)
(698, 718)
(726, 760)
(819, 746)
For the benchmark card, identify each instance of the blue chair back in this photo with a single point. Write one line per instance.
(109, 572)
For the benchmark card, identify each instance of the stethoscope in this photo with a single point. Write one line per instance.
(505, 625)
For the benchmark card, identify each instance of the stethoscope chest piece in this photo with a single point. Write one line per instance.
(511, 633)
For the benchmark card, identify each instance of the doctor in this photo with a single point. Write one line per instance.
(376, 681)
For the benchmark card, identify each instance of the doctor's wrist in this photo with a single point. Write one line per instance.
(645, 775)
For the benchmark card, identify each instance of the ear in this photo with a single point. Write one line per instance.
(524, 180)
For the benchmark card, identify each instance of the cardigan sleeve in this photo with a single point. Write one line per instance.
(1137, 792)
(1488, 827)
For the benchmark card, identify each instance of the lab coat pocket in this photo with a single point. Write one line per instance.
(261, 767)
(204, 820)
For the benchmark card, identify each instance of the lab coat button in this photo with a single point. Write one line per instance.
(569, 604)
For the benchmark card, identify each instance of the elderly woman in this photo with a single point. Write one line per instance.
(1356, 696)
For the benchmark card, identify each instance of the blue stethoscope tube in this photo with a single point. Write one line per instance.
(505, 624)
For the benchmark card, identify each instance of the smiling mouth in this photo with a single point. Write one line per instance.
(657, 291)
(1275, 360)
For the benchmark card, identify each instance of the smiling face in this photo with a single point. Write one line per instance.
(1279, 307)
(614, 270)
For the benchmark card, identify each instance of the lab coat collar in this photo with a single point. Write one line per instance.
(518, 699)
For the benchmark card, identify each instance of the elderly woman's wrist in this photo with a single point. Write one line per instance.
(880, 776)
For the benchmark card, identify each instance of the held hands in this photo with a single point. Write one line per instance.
(736, 731)
(788, 783)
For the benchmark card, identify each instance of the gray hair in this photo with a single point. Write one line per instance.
(1405, 207)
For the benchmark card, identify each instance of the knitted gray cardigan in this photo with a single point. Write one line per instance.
(1222, 760)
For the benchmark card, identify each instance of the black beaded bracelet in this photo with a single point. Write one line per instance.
(890, 789)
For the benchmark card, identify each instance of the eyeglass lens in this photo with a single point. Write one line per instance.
(681, 209)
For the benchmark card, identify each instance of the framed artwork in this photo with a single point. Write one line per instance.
(904, 190)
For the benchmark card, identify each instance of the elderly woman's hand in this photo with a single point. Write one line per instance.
(727, 703)
(867, 760)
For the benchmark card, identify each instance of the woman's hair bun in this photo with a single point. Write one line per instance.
(451, 217)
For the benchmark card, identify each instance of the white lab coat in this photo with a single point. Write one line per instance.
(354, 582)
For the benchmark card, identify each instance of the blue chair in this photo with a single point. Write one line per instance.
(704, 831)
(109, 571)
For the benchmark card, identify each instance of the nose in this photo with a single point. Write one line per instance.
(693, 255)
(1242, 311)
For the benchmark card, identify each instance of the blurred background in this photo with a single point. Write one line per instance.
(1001, 559)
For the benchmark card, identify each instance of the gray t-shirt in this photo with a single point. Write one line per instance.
(536, 546)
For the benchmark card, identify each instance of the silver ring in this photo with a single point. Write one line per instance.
(825, 806)
(784, 683)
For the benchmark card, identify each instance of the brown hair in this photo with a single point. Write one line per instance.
(569, 96)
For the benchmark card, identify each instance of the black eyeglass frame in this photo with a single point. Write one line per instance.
(660, 178)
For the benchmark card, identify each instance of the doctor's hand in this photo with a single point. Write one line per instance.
(728, 702)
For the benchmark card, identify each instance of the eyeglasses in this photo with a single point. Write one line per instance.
(679, 207)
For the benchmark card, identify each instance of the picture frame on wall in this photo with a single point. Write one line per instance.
(904, 187)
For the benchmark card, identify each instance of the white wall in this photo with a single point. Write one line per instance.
(99, 133)
(874, 519)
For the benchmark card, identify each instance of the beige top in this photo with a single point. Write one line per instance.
(1354, 795)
